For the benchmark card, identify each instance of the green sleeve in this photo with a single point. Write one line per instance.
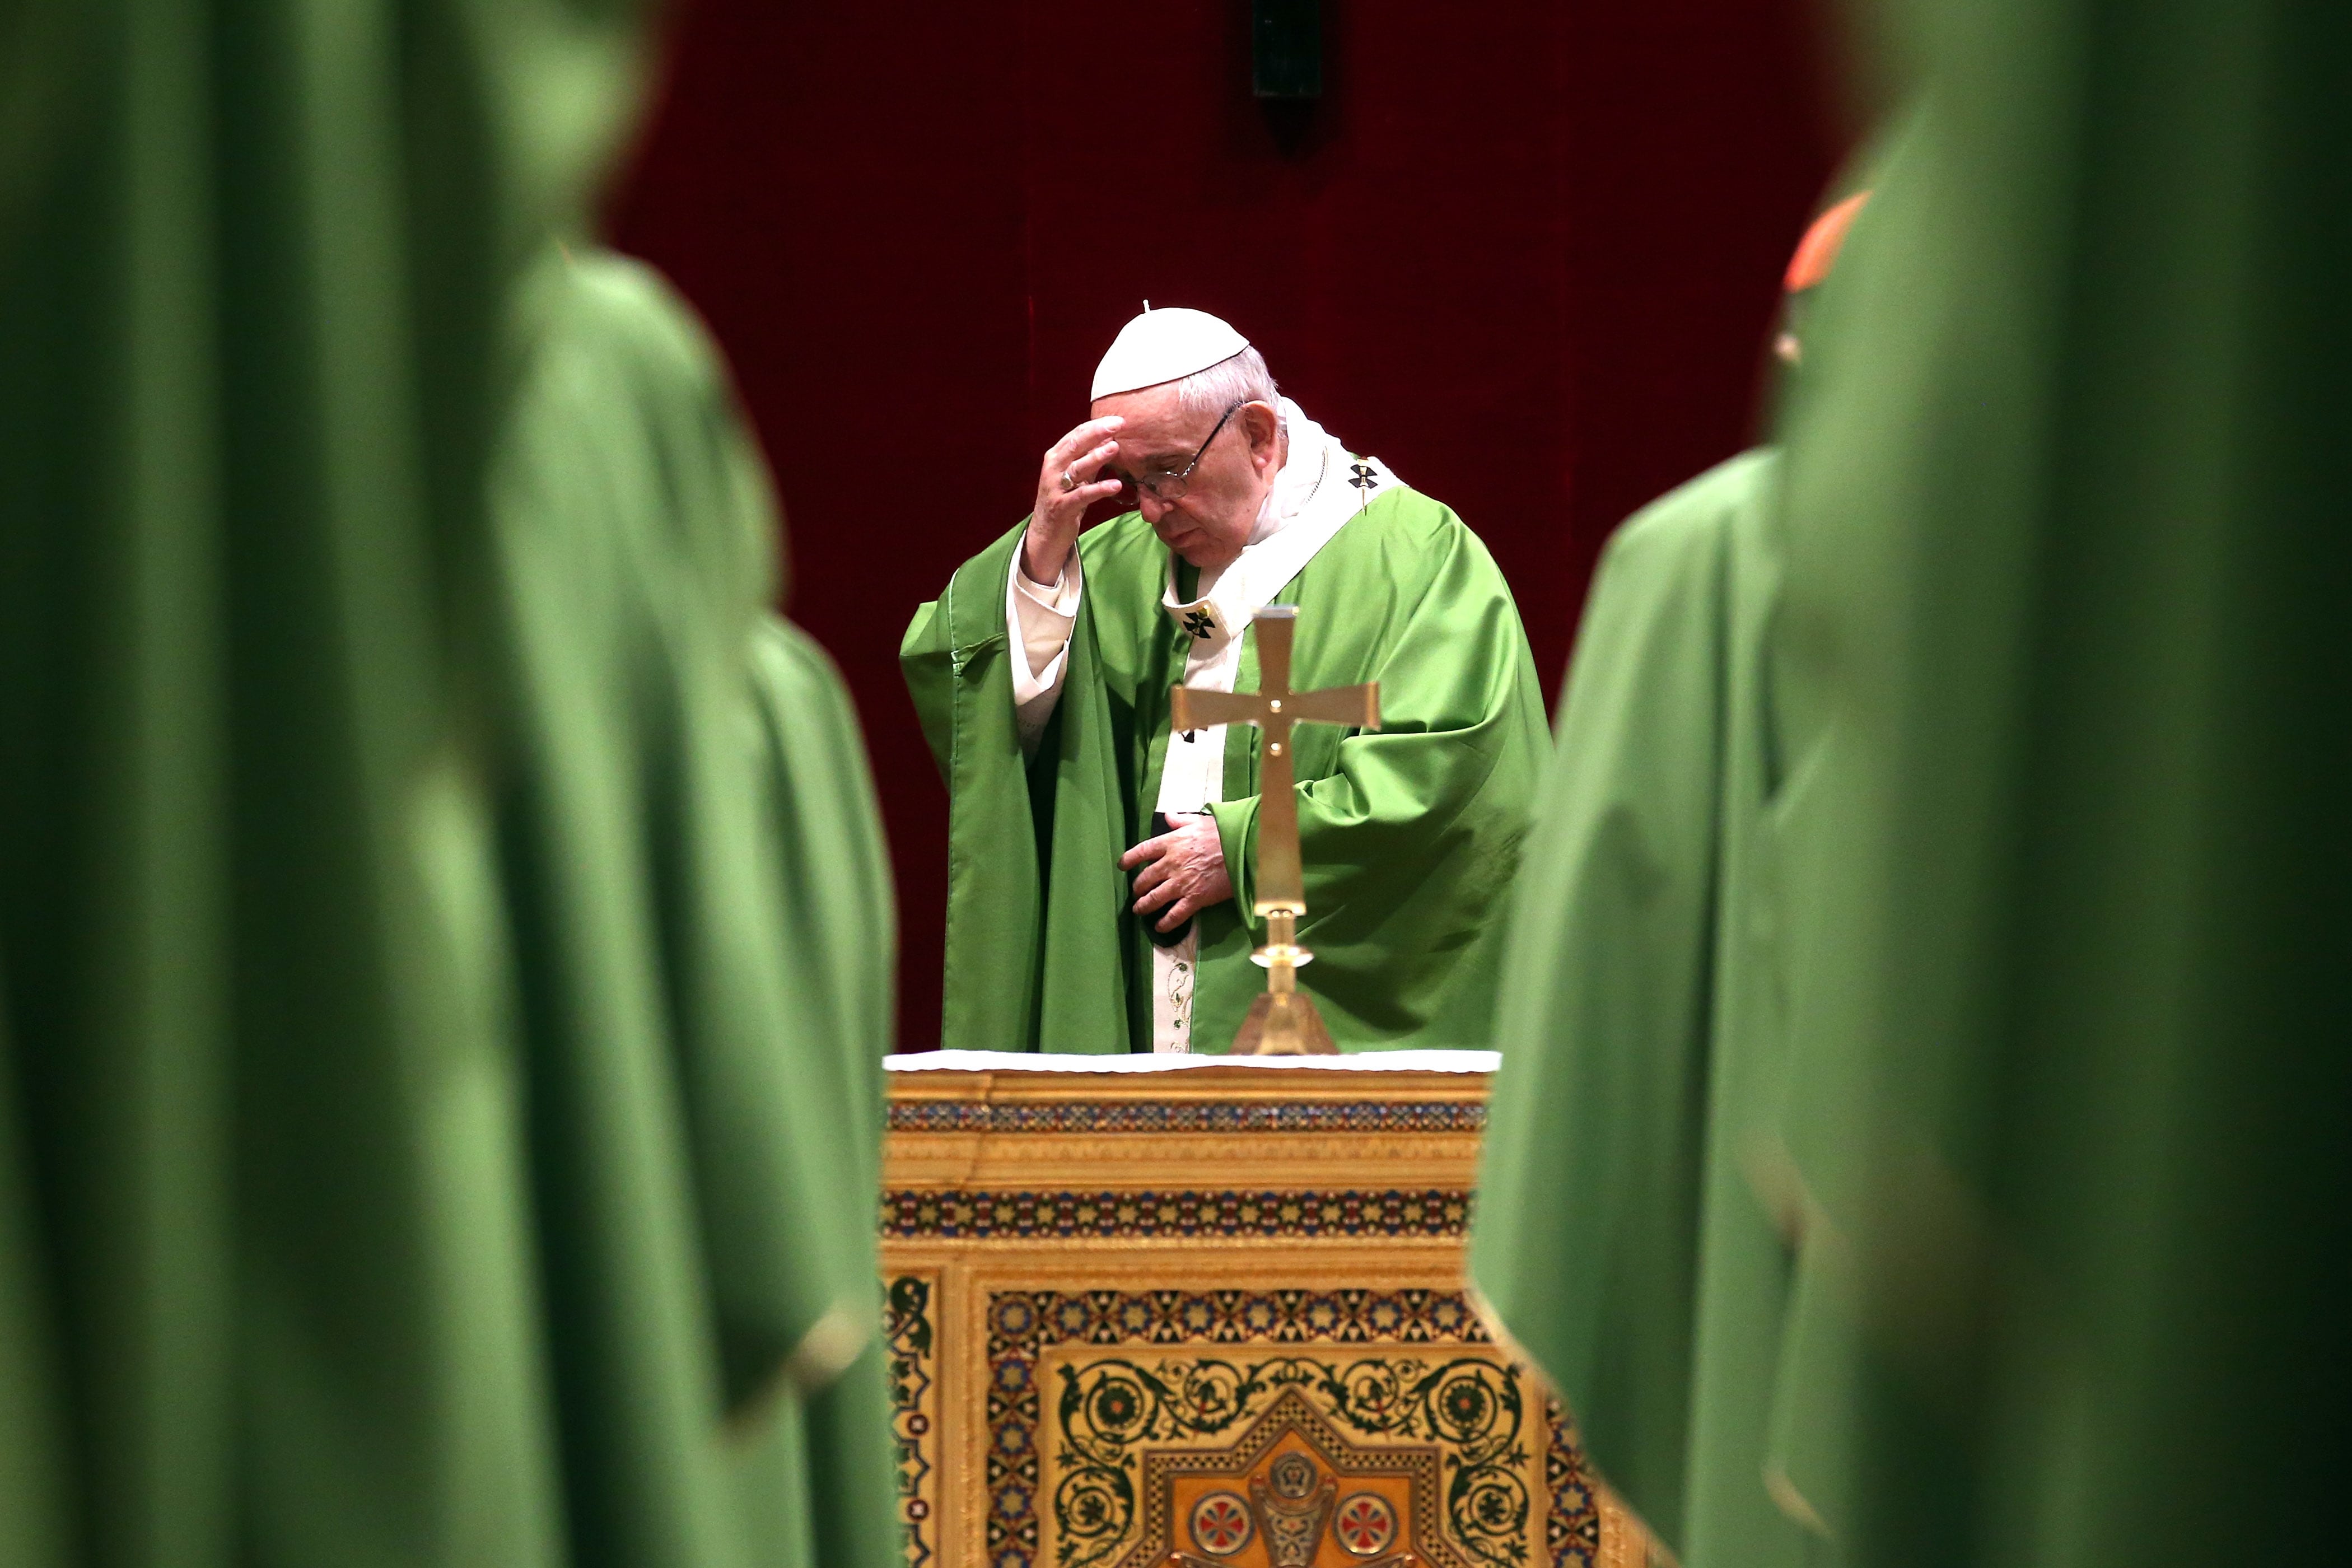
(925, 657)
(954, 658)
(1035, 895)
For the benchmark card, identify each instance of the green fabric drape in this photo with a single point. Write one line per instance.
(2062, 671)
(272, 1258)
(702, 982)
(403, 1158)
(2050, 892)
(2057, 886)
(1619, 1233)
(1409, 834)
(838, 901)
(840, 941)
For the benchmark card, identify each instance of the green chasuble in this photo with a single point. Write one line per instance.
(270, 1292)
(1410, 835)
(704, 1144)
(840, 941)
(1618, 1235)
(2062, 669)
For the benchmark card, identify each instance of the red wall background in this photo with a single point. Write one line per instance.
(1526, 253)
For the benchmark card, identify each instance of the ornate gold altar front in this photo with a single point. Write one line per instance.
(1209, 1313)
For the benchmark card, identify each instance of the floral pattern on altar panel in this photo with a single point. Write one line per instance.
(1022, 1325)
(914, 1420)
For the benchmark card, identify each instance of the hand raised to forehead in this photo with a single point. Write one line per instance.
(1069, 480)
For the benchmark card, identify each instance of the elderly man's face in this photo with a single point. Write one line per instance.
(1212, 521)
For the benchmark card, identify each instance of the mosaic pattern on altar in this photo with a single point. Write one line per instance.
(914, 1420)
(1121, 1116)
(986, 1217)
(1099, 1414)
(1572, 1523)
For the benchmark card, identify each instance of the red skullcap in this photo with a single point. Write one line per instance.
(1818, 251)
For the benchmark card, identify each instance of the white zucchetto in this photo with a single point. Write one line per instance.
(1164, 345)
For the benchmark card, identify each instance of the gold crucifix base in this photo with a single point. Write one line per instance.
(1282, 1021)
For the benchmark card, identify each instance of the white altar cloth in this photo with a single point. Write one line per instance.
(1042, 1061)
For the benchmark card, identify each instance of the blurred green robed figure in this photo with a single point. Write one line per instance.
(2060, 668)
(1628, 1235)
(704, 941)
(1042, 676)
(1612, 1183)
(416, 1143)
(840, 947)
(270, 1283)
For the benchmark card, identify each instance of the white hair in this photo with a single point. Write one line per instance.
(1242, 378)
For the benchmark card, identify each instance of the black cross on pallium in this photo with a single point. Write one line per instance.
(1200, 622)
(1365, 478)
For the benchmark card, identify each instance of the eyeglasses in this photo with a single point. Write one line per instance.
(1170, 485)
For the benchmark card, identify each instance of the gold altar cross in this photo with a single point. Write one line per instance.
(1283, 1022)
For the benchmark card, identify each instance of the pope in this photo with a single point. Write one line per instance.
(1100, 864)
